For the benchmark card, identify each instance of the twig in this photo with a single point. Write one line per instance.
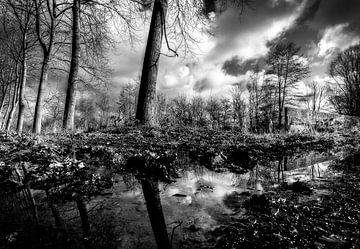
(172, 233)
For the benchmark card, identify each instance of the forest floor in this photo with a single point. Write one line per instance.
(318, 214)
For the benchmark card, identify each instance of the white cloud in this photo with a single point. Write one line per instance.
(203, 79)
(335, 37)
(251, 43)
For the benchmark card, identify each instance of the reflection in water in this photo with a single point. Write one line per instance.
(202, 199)
(311, 172)
(299, 170)
(155, 211)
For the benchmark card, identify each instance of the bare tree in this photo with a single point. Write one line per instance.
(225, 105)
(316, 96)
(6, 72)
(127, 101)
(47, 14)
(53, 104)
(69, 111)
(146, 107)
(287, 67)
(22, 12)
(345, 70)
(11, 66)
(238, 106)
(180, 110)
(213, 107)
(198, 111)
(184, 18)
(15, 96)
(92, 31)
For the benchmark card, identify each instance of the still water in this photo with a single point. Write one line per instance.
(199, 200)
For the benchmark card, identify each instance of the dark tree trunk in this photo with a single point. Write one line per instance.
(145, 112)
(2, 103)
(286, 116)
(280, 169)
(33, 205)
(156, 215)
(39, 100)
(285, 163)
(70, 103)
(29, 194)
(85, 224)
(280, 109)
(55, 212)
(6, 114)
(83, 214)
(20, 120)
(3, 97)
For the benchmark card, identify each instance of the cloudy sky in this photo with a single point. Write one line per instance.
(321, 27)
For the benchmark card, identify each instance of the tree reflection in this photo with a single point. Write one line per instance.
(153, 204)
(282, 166)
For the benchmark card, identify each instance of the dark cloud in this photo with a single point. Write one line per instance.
(232, 66)
(301, 33)
(319, 15)
(309, 12)
(332, 12)
(236, 67)
(202, 85)
(208, 7)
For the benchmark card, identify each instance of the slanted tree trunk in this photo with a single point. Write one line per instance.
(6, 114)
(39, 100)
(3, 97)
(146, 108)
(15, 101)
(156, 215)
(50, 24)
(20, 121)
(28, 193)
(70, 103)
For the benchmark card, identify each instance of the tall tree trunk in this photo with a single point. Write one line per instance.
(6, 114)
(2, 102)
(15, 100)
(39, 100)
(145, 112)
(285, 163)
(20, 120)
(279, 105)
(156, 215)
(70, 103)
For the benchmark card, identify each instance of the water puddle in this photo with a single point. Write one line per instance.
(200, 200)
